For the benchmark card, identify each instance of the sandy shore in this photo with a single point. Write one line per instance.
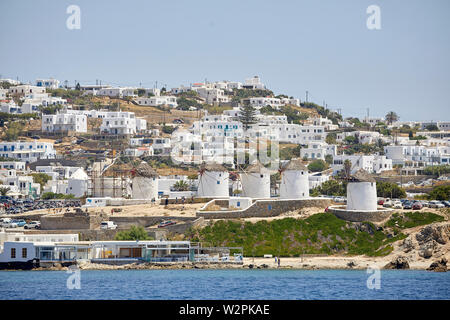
(307, 263)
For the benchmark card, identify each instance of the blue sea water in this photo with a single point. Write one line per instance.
(224, 284)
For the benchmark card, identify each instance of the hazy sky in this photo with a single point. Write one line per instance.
(322, 46)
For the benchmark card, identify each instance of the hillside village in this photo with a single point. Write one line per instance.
(183, 162)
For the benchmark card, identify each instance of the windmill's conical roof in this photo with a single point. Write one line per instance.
(257, 167)
(295, 165)
(213, 166)
(144, 170)
(361, 176)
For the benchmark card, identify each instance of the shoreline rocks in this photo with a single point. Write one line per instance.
(438, 266)
(399, 262)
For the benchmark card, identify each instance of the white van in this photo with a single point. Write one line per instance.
(108, 225)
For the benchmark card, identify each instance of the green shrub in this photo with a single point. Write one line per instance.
(134, 233)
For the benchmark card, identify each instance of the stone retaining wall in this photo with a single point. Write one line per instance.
(361, 216)
(266, 208)
(70, 222)
(126, 222)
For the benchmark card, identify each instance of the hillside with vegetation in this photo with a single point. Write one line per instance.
(322, 233)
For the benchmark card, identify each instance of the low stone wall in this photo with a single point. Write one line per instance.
(360, 216)
(71, 222)
(266, 208)
(187, 200)
(404, 178)
(126, 222)
(127, 202)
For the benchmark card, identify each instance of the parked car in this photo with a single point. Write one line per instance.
(388, 203)
(19, 222)
(380, 202)
(35, 137)
(397, 205)
(166, 223)
(417, 206)
(340, 199)
(9, 224)
(436, 204)
(108, 225)
(446, 203)
(33, 225)
(407, 205)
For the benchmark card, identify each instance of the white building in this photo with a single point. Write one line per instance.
(253, 83)
(318, 150)
(25, 89)
(325, 122)
(118, 92)
(64, 123)
(212, 95)
(369, 163)
(16, 165)
(156, 101)
(47, 83)
(27, 151)
(442, 125)
(364, 137)
(418, 155)
(122, 123)
(372, 121)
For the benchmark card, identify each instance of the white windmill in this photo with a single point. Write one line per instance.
(255, 181)
(294, 180)
(144, 182)
(213, 181)
(361, 191)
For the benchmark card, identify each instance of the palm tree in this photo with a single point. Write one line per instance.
(181, 185)
(391, 117)
(4, 191)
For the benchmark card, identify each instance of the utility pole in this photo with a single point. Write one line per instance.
(307, 95)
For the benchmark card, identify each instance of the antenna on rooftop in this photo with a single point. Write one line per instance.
(307, 95)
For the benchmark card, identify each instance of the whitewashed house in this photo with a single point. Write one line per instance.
(27, 151)
(156, 101)
(64, 123)
(47, 83)
(369, 163)
(25, 89)
(122, 123)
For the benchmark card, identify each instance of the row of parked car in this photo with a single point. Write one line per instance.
(15, 206)
(412, 204)
(16, 223)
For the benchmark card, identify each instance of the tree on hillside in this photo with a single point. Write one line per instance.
(78, 87)
(391, 117)
(247, 116)
(14, 131)
(390, 190)
(432, 127)
(41, 178)
(317, 166)
(329, 159)
(134, 233)
(347, 169)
